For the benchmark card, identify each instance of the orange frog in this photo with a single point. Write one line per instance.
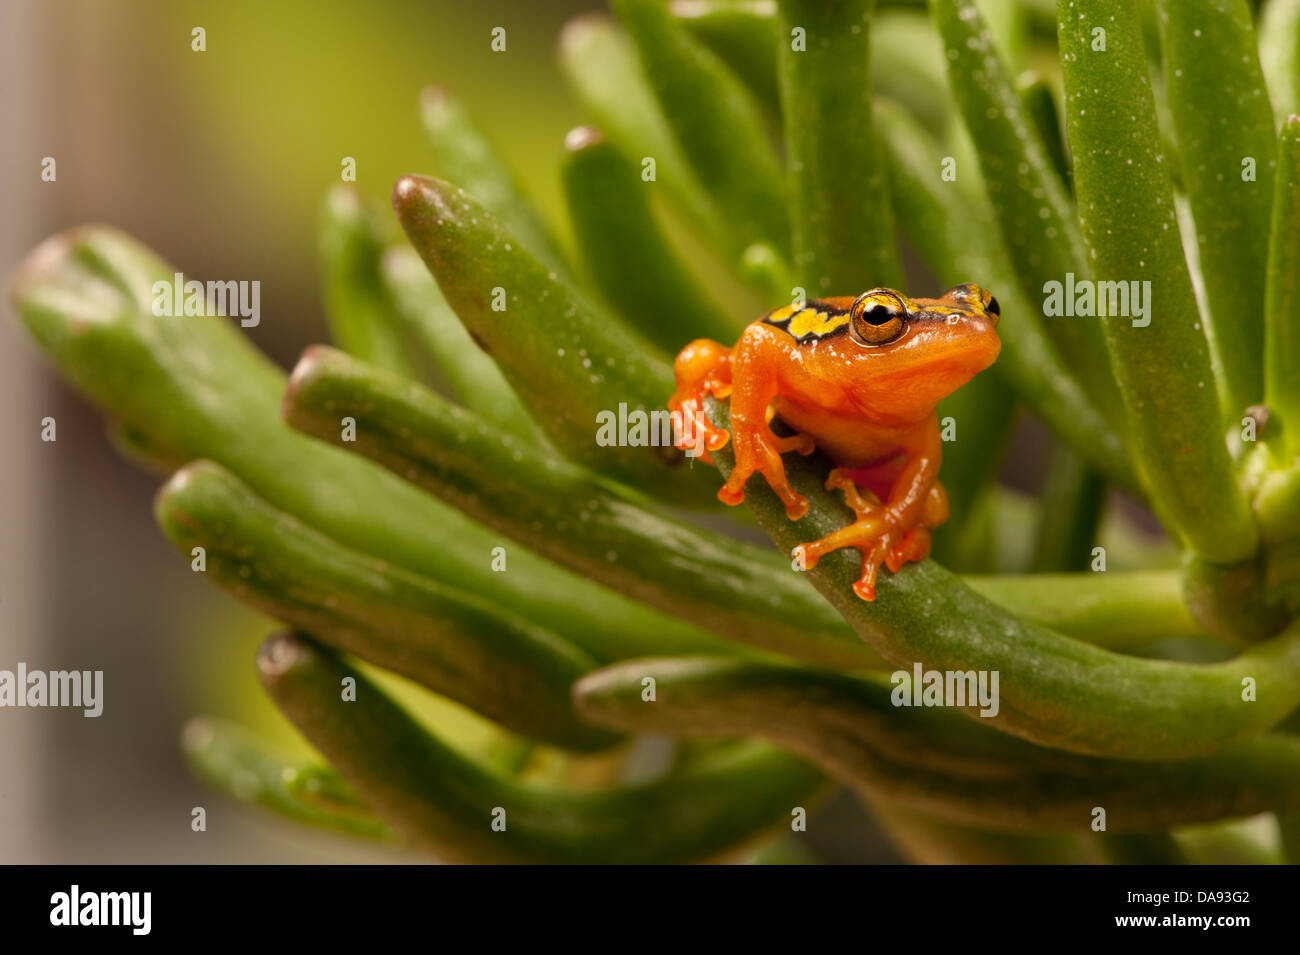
(858, 378)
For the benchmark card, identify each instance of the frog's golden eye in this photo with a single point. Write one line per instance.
(877, 317)
(993, 308)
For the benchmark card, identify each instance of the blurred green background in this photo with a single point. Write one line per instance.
(219, 161)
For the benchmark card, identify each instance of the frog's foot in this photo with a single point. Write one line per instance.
(760, 450)
(694, 433)
(702, 368)
(893, 550)
(880, 538)
(865, 586)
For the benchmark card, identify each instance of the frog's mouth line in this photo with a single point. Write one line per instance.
(975, 358)
(948, 367)
(939, 342)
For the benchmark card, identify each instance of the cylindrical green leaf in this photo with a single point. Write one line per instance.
(465, 157)
(1040, 105)
(966, 248)
(841, 221)
(907, 65)
(743, 35)
(142, 449)
(360, 313)
(857, 730)
(768, 271)
(978, 418)
(461, 646)
(468, 374)
(1072, 499)
(716, 121)
(385, 307)
(1033, 209)
(1157, 345)
(1120, 611)
(1282, 296)
(906, 60)
(1225, 141)
(1279, 55)
(1235, 601)
(1055, 691)
(631, 260)
(237, 763)
(198, 389)
(1278, 505)
(455, 808)
(570, 364)
(605, 72)
(1007, 23)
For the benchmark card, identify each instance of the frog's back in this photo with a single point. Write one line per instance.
(815, 320)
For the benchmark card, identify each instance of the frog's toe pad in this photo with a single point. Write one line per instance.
(729, 496)
(865, 589)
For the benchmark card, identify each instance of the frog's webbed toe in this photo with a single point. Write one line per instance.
(872, 534)
(702, 368)
(695, 433)
(759, 450)
(875, 533)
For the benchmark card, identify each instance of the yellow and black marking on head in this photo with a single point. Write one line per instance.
(815, 320)
(877, 317)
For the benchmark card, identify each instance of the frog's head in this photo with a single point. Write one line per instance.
(919, 350)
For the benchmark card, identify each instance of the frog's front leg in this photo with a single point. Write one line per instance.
(897, 531)
(702, 368)
(755, 368)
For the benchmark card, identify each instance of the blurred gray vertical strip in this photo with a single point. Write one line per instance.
(23, 571)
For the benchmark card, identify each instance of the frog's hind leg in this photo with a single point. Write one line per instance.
(702, 368)
(879, 539)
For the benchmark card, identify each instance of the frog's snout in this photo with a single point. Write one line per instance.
(993, 311)
(976, 300)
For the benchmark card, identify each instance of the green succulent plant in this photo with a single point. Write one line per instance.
(428, 497)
